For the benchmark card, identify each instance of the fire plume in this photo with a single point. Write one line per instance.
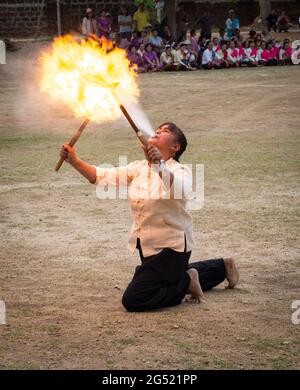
(90, 76)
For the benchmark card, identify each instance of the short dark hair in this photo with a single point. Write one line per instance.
(180, 138)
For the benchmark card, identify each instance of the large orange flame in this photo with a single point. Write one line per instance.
(89, 76)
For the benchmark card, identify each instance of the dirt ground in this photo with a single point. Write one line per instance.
(64, 258)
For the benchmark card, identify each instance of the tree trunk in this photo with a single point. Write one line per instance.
(170, 11)
(265, 10)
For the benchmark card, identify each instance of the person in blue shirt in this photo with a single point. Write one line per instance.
(232, 23)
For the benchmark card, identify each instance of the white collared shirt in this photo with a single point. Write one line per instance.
(160, 219)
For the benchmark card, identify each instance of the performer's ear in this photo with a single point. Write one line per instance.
(175, 147)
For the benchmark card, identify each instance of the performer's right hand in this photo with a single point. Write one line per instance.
(68, 153)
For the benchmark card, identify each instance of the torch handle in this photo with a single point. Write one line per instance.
(73, 141)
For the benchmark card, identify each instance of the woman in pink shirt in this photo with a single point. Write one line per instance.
(263, 54)
(252, 54)
(242, 57)
(272, 54)
(232, 54)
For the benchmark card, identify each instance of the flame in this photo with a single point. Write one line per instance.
(89, 76)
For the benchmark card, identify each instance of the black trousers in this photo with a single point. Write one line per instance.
(161, 280)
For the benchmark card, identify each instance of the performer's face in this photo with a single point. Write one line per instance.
(165, 140)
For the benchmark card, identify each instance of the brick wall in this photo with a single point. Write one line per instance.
(18, 18)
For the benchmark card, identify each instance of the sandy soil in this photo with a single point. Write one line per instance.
(64, 261)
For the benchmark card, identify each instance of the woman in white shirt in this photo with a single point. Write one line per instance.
(89, 24)
(125, 23)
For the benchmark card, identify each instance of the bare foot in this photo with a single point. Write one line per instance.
(232, 274)
(194, 287)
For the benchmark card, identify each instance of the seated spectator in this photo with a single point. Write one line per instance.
(275, 49)
(233, 54)
(174, 49)
(145, 37)
(151, 62)
(167, 59)
(258, 39)
(283, 22)
(209, 58)
(116, 40)
(222, 55)
(252, 35)
(272, 21)
(202, 42)
(192, 56)
(194, 42)
(135, 59)
(215, 43)
(242, 57)
(186, 59)
(222, 36)
(167, 35)
(252, 54)
(156, 42)
(124, 43)
(285, 54)
(237, 35)
(141, 50)
(148, 32)
(265, 55)
(181, 60)
(272, 54)
(136, 39)
(89, 24)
